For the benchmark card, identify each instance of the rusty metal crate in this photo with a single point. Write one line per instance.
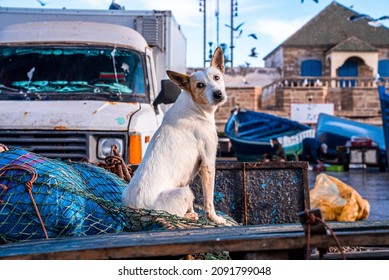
(259, 193)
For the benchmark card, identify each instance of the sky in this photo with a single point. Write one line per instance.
(272, 21)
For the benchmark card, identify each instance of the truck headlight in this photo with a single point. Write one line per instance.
(104, 146)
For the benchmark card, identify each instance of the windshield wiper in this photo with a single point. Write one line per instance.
(25, 94)
(11, 89)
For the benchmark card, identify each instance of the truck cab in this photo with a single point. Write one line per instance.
(72, 89)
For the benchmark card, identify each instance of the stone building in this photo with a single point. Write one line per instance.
(329, 60)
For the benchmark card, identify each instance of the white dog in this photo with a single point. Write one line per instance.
(184, 145)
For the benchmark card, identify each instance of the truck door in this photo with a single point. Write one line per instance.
(152, 84)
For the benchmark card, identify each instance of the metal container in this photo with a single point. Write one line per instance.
(259, 192)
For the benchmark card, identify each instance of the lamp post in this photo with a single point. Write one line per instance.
(203, 9)
(217, 23)
(234, 13)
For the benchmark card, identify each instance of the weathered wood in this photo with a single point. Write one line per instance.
(260, 241)
(369, 254)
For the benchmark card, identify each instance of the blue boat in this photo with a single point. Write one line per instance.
(250, 133)
(384, 99)
(336, 131)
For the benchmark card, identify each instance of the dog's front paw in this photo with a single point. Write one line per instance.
(217, 219)
(191, 216)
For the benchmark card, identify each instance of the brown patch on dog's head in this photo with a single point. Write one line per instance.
(181, 80)
(189, 84)
(205, 86)
(197, 90)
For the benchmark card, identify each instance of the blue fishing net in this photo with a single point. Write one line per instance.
(41, 197)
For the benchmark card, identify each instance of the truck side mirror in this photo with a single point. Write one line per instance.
(168, 94)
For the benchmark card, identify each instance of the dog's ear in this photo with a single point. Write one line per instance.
(181, 80)
(218, 59)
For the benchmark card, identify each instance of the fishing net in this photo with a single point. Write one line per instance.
(44, 198)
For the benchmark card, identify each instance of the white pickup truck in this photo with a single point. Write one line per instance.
(75, 82)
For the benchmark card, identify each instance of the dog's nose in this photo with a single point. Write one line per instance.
(217, 95)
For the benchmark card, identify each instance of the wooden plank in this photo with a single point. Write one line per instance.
(255, 239)
(369, 254)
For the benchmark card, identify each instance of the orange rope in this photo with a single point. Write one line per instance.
(311, 219)
(29, 186)
(4, 188)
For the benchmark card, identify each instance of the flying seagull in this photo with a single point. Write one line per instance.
(378, 78)
(236, 28)
(115, 6)
(359, 17)
(253, 53)
(375, 22)
(240, 34)
(378, 21)
(253, 36)
(42, 3)
(316, 1)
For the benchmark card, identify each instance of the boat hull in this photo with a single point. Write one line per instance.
(336, 131)
(251, 132)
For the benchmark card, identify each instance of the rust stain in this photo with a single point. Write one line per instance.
(60, 127)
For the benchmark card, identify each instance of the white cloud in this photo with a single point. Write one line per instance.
(279, 30)
(247, 7)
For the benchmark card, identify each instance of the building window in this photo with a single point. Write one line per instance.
(348, 69)
(311, 68)
(383, 68)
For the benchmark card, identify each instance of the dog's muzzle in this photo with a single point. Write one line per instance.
(218, 96)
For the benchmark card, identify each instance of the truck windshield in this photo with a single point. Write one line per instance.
(82, 71)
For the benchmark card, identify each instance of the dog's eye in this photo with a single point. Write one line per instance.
(200, 85)
(216, 78)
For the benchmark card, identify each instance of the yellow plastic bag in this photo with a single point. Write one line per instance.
(337, 200)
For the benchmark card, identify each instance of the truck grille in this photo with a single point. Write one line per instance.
(53, 144)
